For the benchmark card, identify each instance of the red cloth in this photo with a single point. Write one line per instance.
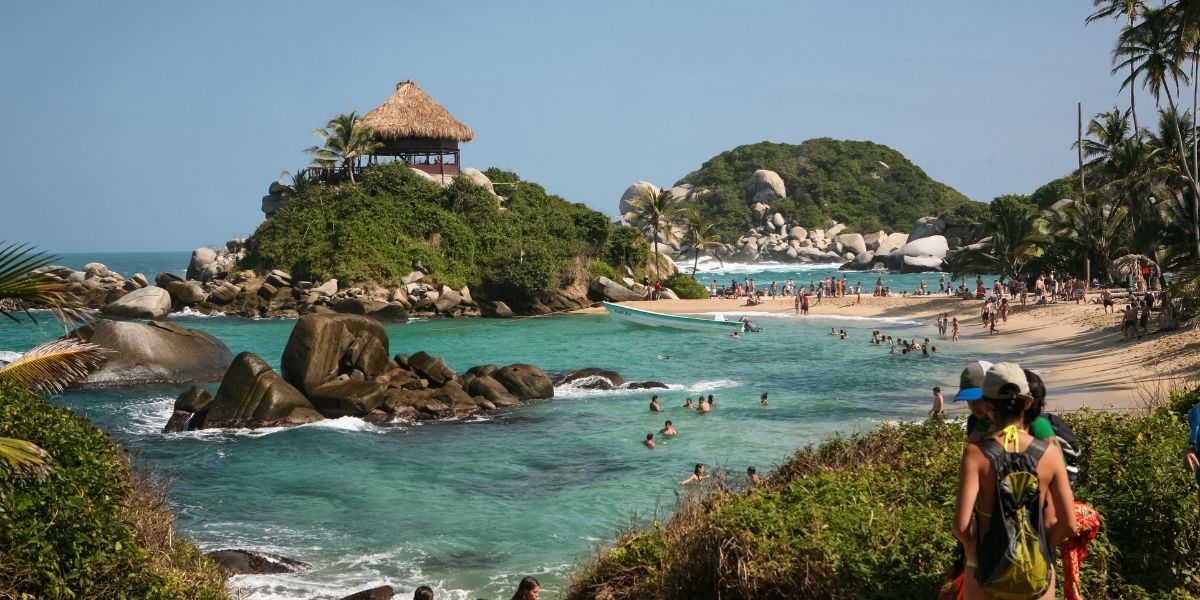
(1075, 549)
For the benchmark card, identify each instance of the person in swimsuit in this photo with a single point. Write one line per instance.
(697, 475)
(649, 443)
(668, 429)
(1006, 395)
(954, 338)
(654, 407)
(689, 403)
(704, 405)
(763, 399)
(755, 478)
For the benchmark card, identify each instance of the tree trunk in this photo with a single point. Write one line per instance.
(1189, 174)
(695, 261)
(1195, 157)
(1132, 88)
(655, 257)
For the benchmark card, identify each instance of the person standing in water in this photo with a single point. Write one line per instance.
(668, 429)
(654, 407)
(763, 399)
(528, 589)
(939, 403)
(689, 404)
(697, 475)
(954, 337)
(704, 405)
(649, 443)
(755, 478)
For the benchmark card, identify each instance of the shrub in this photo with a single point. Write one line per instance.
(599, 268)
(868, 516)
(89, 529)
(685, 287)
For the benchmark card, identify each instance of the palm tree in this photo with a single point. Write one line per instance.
(1117, 9)
(1153, 51)
(344, 139)
(1015, 233)
(1109, 130)
(655, 214)
(47, 368)
(700, 236)
(1093, 227)
(1142, 181)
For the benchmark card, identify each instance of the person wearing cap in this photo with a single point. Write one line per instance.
(970, 390)
(1005, 392)
(1191, 458)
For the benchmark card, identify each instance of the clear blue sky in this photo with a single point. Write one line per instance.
(159, 125)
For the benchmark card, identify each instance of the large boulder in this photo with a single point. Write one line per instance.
(478, 178)
(925, 227)
(432, 368)
(201, 258)
(186, 293)
(638, 189)
(860, 262)
(526, 382)
(150, 302)
(324, 345)
(612, 291)
(872, 240)
(253, 395)
(927, 246)
(852, 242)
(383, 592)
(346, 398)
(766, 186)
(834, 230)
(798, 233)
(488, 388)
(891, 242)
(921, 264)
(141, 353)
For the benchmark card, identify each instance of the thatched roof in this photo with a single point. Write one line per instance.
(1120, 268)
(411, 113)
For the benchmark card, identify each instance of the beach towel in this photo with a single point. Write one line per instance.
(1075, 550)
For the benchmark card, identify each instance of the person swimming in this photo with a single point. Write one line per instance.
(668, 429)
(704, 405)
(689, 404)
(711, 402)
(755, 478)
(763, 399)
(697, 475)
(649, 443)
(654, 406)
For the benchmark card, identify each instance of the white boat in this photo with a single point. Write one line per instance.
(655, 319)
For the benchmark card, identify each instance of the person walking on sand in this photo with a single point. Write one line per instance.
(1034, 477)
(668, 429)
(649, 443)
(954, 336)
(1129, 322)
(697, 475)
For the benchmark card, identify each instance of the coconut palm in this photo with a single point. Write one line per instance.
(1015, 233)
(344, 139)
(1106, 131)
(1122, 9)
(700, 236)
(1140, 185)
(655, 214)
(50, 367)
(1153, 52)
(1093, 227)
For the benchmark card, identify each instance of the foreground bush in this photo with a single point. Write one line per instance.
(869, 516)
(89, 529)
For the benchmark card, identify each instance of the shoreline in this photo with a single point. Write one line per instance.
(1078, 351)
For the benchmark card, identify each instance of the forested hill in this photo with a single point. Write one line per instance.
(866, 185)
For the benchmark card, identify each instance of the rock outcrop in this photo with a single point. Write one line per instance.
(766, 187)
(150, 302)
(248, 562)
(253, 395)
(155, 352)
(636, 190)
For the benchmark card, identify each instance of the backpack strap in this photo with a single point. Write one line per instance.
(1036, 449)
(991, 449)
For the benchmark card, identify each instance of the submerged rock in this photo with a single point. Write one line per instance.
(249, 562)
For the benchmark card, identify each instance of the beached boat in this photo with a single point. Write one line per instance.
(655, 319)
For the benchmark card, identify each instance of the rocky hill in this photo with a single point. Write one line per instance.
(865, 185)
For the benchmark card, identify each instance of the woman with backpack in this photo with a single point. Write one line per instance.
(1006, 480)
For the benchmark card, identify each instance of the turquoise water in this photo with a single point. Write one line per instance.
(471, 506)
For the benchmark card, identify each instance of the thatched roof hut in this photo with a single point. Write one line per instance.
(1133, 264)
(414, 127)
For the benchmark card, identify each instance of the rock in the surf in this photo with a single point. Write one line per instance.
(383, 592)
(491, 390)
(526, 382)
(252, 395)
(155, 352)
(323, 346)
(591, 378)
(346, 398)
(248, 562)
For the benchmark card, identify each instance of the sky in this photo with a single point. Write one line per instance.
(149, 126)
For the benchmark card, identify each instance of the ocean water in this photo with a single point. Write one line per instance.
(471, 506)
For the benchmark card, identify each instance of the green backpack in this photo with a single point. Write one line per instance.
(1015, 562)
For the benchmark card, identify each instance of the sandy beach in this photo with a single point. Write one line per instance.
(1078, 350)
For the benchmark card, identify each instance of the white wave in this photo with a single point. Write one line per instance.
(708, 268)
(346, 424)
(7, 356)
(575, 388)
(190, 312)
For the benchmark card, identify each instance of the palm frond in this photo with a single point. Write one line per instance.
(52, 367)
(20, 456)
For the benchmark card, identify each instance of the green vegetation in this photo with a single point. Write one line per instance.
(869, 516)
(88, 528)
(866, 185)
(374, 230)
(686, 287)
(343, 141)
(655, 213)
